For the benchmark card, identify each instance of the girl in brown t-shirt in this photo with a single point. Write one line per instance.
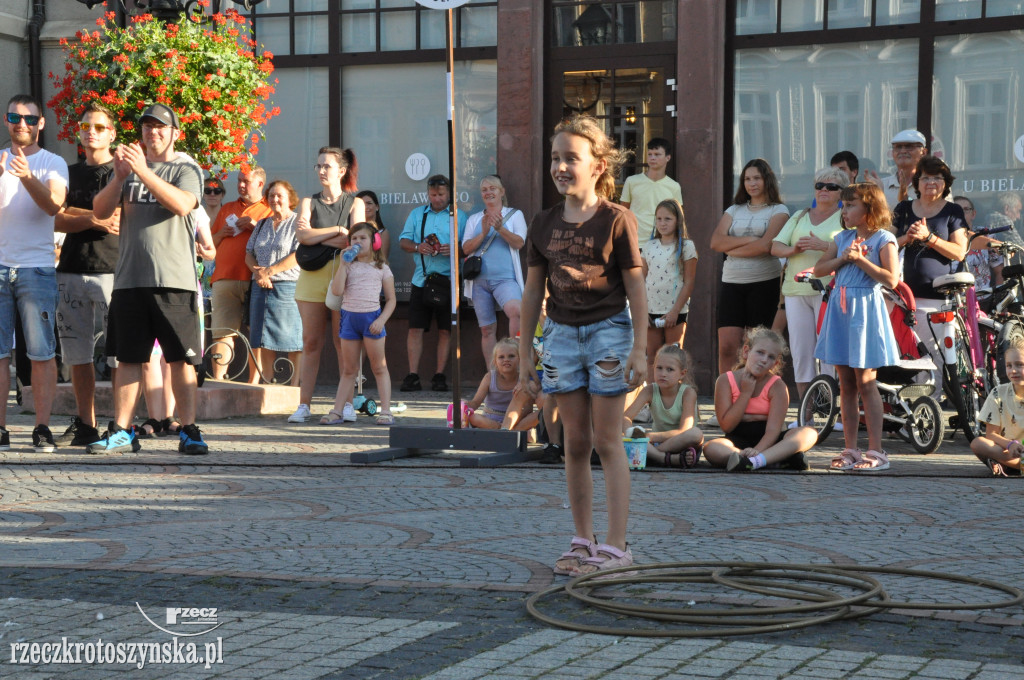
(584, 252)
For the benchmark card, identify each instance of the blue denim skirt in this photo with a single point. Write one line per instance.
(274, 321)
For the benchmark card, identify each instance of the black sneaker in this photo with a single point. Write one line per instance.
(411, 383)
(552, 455)
(438, 383)
(5, 439)
(190, 441)
(42, 439)
(78, 434)
(116, 440)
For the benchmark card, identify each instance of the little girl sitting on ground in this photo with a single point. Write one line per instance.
(750, 403)
(1003, 414)
(674, 441)
(496, 393)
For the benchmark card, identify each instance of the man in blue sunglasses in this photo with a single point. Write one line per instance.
(33, 184)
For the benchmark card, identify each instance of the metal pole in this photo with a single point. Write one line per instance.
(453, 210)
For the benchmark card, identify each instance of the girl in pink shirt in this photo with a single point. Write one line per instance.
(360, 282)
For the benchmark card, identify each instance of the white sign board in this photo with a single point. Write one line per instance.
(442, 4)
(417, 167)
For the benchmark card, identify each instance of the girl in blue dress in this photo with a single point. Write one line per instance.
(856, 336)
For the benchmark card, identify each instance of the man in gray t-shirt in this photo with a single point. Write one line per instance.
(154, 297)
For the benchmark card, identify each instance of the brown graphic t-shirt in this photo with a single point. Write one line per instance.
(584, 261)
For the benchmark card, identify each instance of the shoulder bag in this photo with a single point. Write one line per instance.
(315, 257)
(474, 264)
(437, 289)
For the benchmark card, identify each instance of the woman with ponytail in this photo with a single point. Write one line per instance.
(324, 221)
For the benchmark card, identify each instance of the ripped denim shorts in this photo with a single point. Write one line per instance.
(572, 355)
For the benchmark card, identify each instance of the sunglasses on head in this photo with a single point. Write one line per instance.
(437, 183)
(818, 186)
(15, 118)
(213, 191)
(98, 127)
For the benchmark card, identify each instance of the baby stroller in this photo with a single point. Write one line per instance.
(907, 407)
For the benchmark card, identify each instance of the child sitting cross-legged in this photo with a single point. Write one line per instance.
(674, 440)
(1003, 414)
(495, 399)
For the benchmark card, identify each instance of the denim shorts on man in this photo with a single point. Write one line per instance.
(572, 354)
(34, 291)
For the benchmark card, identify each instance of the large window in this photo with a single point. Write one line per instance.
(796, 106)
(579, 23)
(406, 117)
(813, 77)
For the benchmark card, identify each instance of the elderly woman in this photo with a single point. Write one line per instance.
(274, 321)
(750, 276)
(931, 233)
(802, 241)
(496, 234)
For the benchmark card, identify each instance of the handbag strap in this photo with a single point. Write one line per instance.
(423, 228)
(494, 232)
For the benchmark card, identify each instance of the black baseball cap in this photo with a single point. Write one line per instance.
(162, 113)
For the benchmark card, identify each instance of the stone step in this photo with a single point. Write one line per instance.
(216, 399)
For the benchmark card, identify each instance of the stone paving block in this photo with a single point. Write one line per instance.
(995, 671)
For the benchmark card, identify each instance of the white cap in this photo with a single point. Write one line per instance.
(911, 136)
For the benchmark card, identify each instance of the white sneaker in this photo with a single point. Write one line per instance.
(348, 414)
(301, 414)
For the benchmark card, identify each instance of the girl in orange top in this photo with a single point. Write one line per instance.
(750, 403)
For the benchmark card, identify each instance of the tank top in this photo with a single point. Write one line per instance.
(758, 404)
(330, 214)
(497, 399)
(666, 419)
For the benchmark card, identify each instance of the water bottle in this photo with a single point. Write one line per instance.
(351, 253)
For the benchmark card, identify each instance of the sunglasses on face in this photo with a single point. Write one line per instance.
(818, 186)
(98, 127)
(213, 191)
(15, 118)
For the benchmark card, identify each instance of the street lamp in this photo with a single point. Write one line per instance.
(594, 26)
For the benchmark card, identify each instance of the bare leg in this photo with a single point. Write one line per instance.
(872, 402)
(512, 311)
(414, 349)
(488, 338)
(606, 418)
(578, 441)
(227, 350)
(314, 319)
(730, 338)
(127, 382)
(183, 382)
(379, 366)
(849, 405)
(296, 359)
(443, 340)
(44, 388)
(83, 382)
(152, 389)
(655, 339)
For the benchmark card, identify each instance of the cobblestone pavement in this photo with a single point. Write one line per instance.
(419, 568)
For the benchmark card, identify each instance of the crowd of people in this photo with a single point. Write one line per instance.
(597, 321)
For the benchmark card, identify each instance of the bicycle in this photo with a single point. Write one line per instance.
(1005, 320)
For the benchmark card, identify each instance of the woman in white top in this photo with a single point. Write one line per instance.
(750, 276)
(496, 234)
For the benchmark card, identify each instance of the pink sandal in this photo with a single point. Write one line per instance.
(571, 554)
(872, 461)
(846, 460)
(607, 557)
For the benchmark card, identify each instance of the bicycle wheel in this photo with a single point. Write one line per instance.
(820, 406)
(1013, 330)
(962, 385)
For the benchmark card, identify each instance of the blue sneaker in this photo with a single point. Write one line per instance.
(190, 441)
(117, 440)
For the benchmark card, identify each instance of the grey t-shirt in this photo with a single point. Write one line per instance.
(158, 248)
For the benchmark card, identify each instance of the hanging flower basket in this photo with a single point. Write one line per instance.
(205, 68)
